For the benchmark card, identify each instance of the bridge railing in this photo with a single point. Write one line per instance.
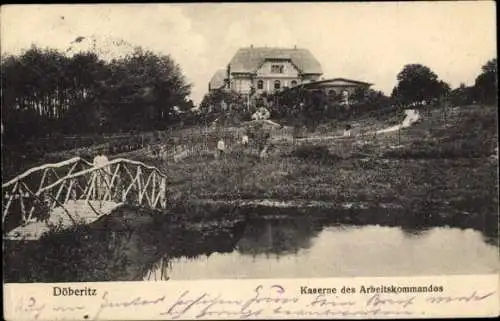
(120, 181)
(16, 193)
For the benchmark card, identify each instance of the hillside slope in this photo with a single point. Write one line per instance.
(442, 170)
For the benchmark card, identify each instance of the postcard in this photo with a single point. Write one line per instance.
(250, 161)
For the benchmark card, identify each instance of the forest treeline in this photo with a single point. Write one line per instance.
(46, 92)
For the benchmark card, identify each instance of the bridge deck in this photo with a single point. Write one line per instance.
(81, 212)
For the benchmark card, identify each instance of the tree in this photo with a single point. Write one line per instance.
(45, 91)
(143, 89)
(418, 83)
(376, 98)
(486, 85)
(360, 94)
(462, 95)
(221, 100)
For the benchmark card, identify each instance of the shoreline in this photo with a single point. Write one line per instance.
(297, 203)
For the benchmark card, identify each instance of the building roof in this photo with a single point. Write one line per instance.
(336, 82)
(217, 80)
(248, 60)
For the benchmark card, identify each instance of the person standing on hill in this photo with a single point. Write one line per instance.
(244, 140)
(347, 130)
(221, 147)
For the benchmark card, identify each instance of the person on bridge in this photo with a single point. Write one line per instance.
(100, 160)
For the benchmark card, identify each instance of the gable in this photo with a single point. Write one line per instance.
(266, 69)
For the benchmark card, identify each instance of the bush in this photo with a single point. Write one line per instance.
(259, 134)
(319, 154)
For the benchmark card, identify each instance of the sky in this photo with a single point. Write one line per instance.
(362, 41)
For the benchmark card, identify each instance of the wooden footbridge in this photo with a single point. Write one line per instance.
(75, 191)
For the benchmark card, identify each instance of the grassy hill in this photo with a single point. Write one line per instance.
(441, 170)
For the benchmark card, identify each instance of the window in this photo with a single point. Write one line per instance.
(277, 84)
(294, 83)
(260, 84)
(277, 69)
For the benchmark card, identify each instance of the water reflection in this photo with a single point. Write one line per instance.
(416, 232)
(124, 246)
(159, 270)
(339, 251)
(136, 245)
(278, 236)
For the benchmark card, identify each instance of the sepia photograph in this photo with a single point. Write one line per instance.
(181, 142)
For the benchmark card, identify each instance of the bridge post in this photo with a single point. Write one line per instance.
(163, 192)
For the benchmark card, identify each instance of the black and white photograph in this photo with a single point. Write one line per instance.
(191, 141)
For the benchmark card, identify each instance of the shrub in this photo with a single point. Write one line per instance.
(315, 153)
(259, 134)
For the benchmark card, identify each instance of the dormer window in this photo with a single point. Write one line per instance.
(277, 69)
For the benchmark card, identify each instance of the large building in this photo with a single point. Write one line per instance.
(255, 70)
(259, 69)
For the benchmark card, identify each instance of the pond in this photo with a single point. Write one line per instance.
(281, 249)
(243, 247)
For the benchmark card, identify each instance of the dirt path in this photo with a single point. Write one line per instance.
(412, 116)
